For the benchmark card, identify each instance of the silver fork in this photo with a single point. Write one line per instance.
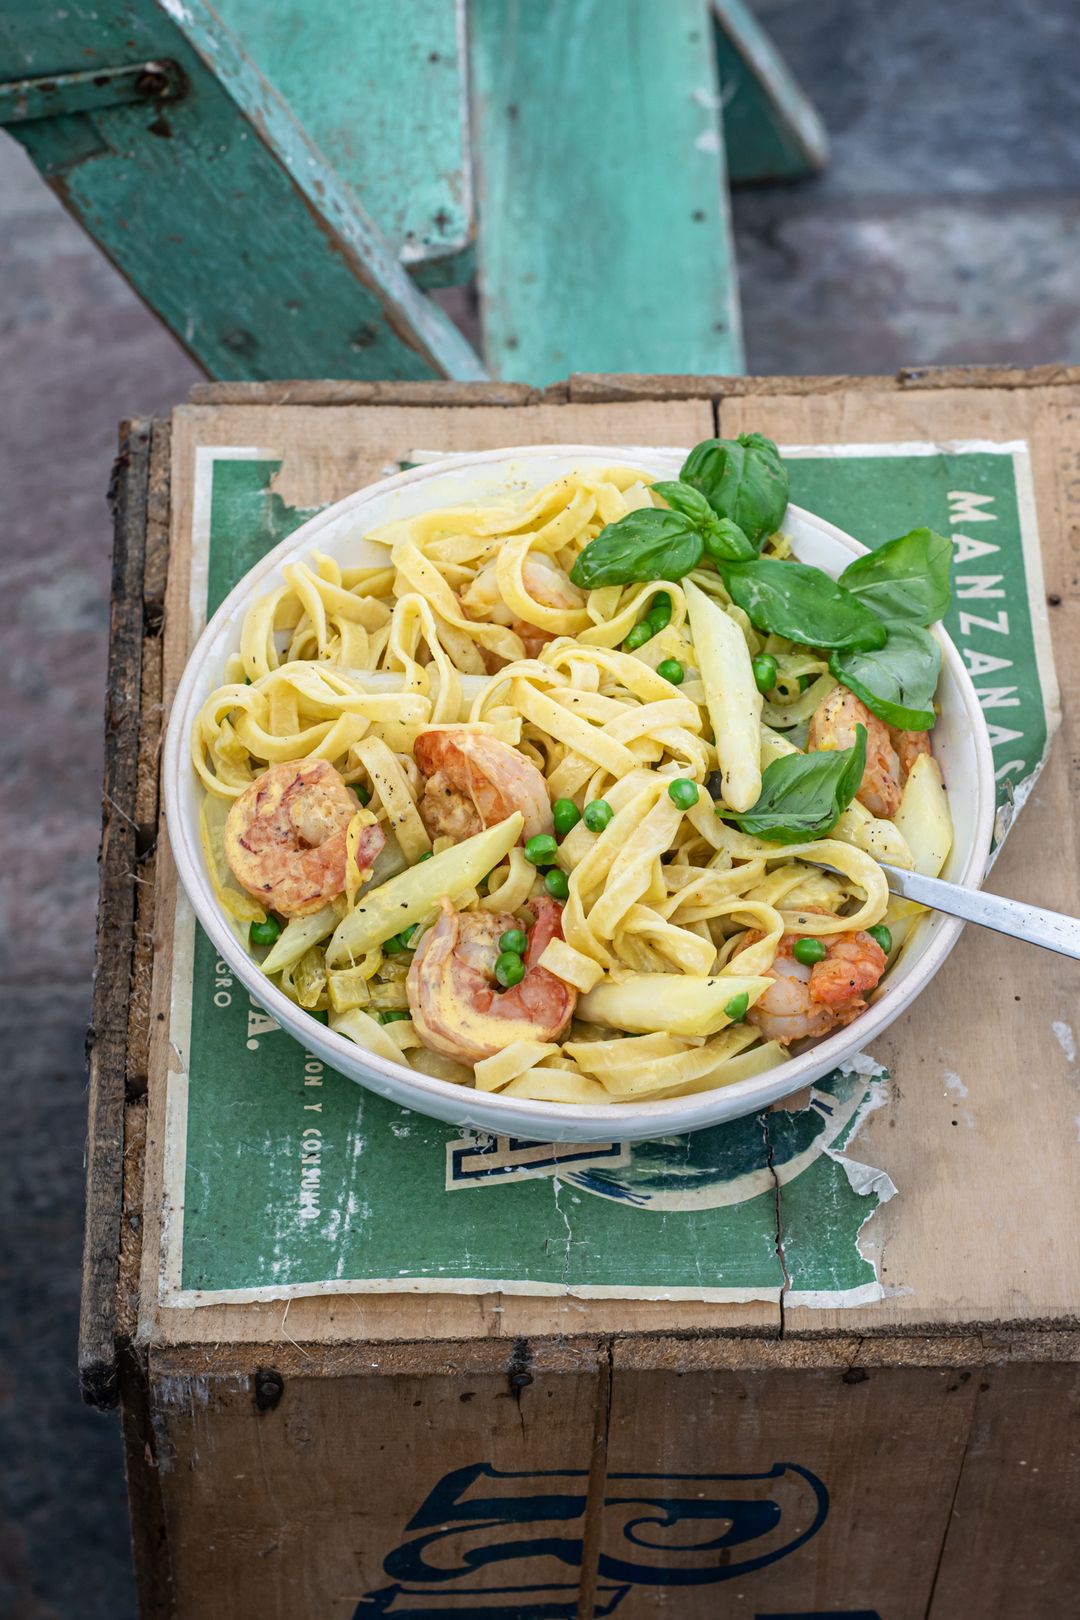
(1050, 929)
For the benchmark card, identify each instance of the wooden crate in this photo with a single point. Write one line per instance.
(491, 1455)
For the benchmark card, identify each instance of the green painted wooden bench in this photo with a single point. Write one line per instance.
(284, 181)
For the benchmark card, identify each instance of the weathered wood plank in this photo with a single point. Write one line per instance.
(811, 1446)
(771, 129)
(150, 1548)
(599, 387)
(156, 565)
(269, 263)
(127, 1288)
(348, 391)
(142, 974)
(329, 451)
(359, 1459)
(1010, 1550)
(106, 1042)
(604, 240)
(384, 100)
(146, 785)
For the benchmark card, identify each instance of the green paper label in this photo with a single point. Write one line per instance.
(285, 1177)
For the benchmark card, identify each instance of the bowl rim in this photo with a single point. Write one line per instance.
(443, 1099)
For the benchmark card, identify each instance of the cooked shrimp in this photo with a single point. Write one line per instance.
(805, 1002)
(909, 745)
(475, 781)
(285, 836)
(543, 581)
(833, 726)
(457, 1007)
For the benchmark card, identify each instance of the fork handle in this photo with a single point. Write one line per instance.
(1050, 929)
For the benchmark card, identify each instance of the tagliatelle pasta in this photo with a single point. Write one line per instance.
(539, 882)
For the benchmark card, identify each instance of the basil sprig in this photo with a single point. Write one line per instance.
(724, 540)
(897, 682)
(650, 543)
(800, 602)
(730, 496)
(904, 581)
(803, 796)
(743, 480)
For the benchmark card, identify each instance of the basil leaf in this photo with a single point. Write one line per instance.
(647, 544)
(725, 541)
(897, 682)
(803, 796)
(802, 603)
(905, 580)
(742, 479)
(686, 499)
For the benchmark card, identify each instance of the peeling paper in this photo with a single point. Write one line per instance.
(864, 1180)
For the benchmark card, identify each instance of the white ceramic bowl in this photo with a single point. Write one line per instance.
(960, 743)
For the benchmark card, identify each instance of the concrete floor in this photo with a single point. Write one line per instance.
(946, 228)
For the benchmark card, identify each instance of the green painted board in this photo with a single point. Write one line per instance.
(772, 130)
(286, 1177)
(382, 93)
(604, 236)
(217, 206)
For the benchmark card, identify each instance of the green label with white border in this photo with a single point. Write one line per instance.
(284, 1177)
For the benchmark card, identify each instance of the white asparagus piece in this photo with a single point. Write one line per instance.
(924, 818)
(672, 1003)
(414, 895)
(731, 697)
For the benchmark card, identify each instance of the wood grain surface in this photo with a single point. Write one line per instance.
(106, 1042)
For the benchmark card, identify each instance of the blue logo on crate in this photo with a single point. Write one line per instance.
(502, 1545)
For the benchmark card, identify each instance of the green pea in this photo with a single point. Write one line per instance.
(556, 883)
(515, 939)
(597, 815)
(393, 1016)
(766, 669)
(566, 815)
(407, 935)
(808, 951)
(683, 793)
(639, 635)
(736, 1007)
(672, 671)
(881, 936)
(394, 945)
(659, 614)
(428, 855)
(264, 933)
(805, 681)
(362, 793)
(541, 849)
(509, 969)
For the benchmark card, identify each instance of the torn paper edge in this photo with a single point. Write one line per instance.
(865, 1181)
